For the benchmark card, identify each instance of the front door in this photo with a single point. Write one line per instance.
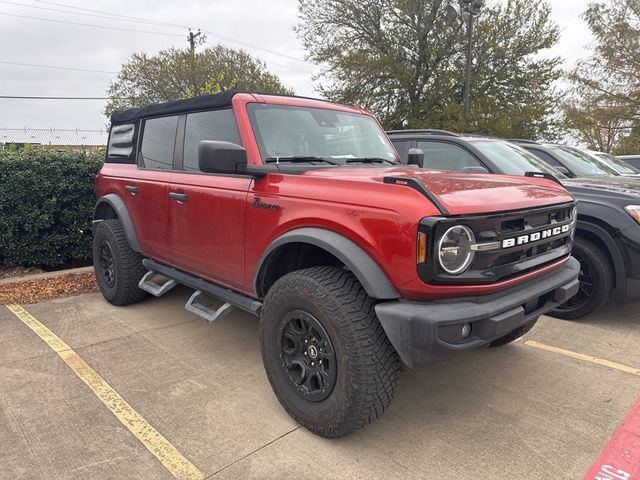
(207, 211)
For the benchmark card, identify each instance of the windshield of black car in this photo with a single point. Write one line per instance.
(512, 159)
(581, 164)
(288, 132)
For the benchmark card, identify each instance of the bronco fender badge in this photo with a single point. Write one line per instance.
(258, 203)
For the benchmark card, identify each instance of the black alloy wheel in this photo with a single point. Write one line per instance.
(596, 281)
(584, 291)
(308, 356)
(107, 266)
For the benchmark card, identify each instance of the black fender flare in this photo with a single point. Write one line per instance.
(366, 270)
(117, 204)
(613, 250)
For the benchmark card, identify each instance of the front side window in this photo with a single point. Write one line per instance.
(211, 125)
(446, 156)
(158, 142)
(339, 137)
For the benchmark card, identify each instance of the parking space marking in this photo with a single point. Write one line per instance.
(177, 464)
(586, 358)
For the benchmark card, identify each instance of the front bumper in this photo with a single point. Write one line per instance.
(416, 329)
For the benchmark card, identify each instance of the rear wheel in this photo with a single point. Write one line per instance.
(326, 355)
(118, 267)
(596, 282)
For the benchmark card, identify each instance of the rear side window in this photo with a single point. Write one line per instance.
(446, 156)
(158, 142)
(121, 142)
(211, 125)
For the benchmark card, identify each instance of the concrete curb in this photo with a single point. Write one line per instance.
(42, 276)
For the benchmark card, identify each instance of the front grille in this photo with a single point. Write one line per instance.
(532, 248)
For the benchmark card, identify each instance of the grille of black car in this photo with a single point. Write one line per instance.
(501, 263)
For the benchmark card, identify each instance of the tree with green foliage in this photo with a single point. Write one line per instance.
(403, 60)
(179, 73)
(591, 122)
(606, 85)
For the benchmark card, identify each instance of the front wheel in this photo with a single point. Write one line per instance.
(596, 282)
(326, 355)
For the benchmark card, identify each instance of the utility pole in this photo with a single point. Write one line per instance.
(470, 10)
(194, 39)
(467, 76)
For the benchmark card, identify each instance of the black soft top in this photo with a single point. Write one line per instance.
(201, 102)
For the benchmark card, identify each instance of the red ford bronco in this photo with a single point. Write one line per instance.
(298, 211)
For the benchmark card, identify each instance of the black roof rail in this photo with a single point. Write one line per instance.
(522, 140)
(427, 131)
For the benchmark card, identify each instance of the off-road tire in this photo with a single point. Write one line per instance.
(601, 274)
(514, 334)
(368, 367)
(127, 265)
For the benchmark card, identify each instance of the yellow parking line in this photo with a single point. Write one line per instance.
(159, 446)
(586, 358)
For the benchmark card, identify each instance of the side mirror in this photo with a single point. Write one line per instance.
(415, 156)
(221, 157)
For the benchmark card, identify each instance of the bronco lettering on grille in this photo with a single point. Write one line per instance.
(534, 237)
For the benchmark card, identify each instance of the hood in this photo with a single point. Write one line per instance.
(628, 187)
(463, 193)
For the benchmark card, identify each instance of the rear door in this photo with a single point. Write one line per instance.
(207, 224)
(146, 189)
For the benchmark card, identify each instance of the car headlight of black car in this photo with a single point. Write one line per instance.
(634, 211)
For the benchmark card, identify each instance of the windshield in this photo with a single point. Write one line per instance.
(512, 159)
(305, 134)
(618, 165)
(581, 164)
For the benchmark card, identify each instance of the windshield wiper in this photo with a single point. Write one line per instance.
(299, 158)
(370, 160)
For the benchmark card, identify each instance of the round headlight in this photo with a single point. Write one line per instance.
(454, 250)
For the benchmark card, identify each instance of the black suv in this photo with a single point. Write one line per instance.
(608, 235)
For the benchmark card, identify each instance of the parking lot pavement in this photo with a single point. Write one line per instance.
(512, 412)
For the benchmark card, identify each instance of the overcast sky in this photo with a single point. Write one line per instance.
(58, 35)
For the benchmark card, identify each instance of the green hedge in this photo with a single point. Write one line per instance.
(46, 206)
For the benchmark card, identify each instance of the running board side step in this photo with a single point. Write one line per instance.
(228, 296)
(148, 285)
(210, 315)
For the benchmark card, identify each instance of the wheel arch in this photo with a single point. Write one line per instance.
(309, 247)
(112, 206)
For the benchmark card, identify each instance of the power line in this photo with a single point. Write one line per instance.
(110, 17)
(91, 25)
(56, 67)
(141, 19)
(208, 32)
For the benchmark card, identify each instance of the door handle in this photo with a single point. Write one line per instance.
(180, 197)
(132, 188)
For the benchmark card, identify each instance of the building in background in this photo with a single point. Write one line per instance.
(56, 139)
